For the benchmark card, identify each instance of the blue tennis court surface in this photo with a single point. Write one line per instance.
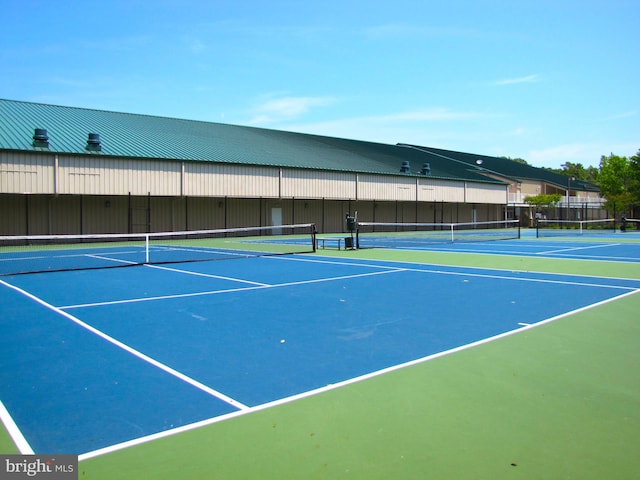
(620, 247)
(95, 358)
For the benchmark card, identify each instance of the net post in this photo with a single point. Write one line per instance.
(146, 248)
(452, 236)
(314, 233)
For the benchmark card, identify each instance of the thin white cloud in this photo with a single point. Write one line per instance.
(422, 126)
(287, 108)
(428, 115)
(513, 81)
(585, 153)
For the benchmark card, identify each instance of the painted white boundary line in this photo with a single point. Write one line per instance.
(207, 275)
(572, 249)
(390, 263)
(132, 350)
(16, 435)
(463, 273)
(116, 260)
(210, 421)
(230, 290)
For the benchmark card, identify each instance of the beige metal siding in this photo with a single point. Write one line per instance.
(490, 194)
(108, 176)
(317, 184)
(26, 173)
(214, 180)
(379, 187)
(430, 190)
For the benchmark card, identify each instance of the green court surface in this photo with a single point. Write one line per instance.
(556, 401)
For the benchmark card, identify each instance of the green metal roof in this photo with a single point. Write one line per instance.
(514, 170)
(143, 136)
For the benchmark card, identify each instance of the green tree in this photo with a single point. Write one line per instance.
(542, 201)
(634, 187)
(577, 170)
(517, 160)
(616, 180)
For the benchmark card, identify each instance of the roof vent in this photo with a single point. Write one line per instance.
(93, 142)
(405, 167)
(40, 138)
(426, 169)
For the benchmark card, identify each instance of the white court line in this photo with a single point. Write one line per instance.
(517, 279)
(210, 421)
(74, 255)
(480, 275)
(208, 275)
(572, 249)
(117, 260)
(230, 290)
(131, 350)
(357, 262)
(14, 432)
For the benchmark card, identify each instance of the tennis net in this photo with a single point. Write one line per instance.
(48, 253)
(416, 235)
(560, 228)
(629, 224)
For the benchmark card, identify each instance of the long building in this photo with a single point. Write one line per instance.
(66, 170)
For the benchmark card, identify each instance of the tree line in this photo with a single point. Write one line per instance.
(617, 177)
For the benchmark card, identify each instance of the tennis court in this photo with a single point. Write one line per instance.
(613, 248)
(98, 360)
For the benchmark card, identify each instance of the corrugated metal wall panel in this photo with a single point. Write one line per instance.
(13, 214)
(215, 180)
(242, 212)
(379, 187)
(25, 173)
(66, 215)
(168, 214)
(317, 184)
(488, 194)
(307, 211)
(104, 214)
(108, 176)
(334, 216)
(205, 213)
(39, 214)
(431, 190)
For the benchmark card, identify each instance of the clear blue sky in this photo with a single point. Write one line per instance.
(548, 81)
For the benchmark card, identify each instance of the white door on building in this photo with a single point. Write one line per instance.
(276, 219)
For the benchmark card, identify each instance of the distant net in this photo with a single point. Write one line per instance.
(560, 228)
(629, 224)
(416, 235)
(48, 253)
